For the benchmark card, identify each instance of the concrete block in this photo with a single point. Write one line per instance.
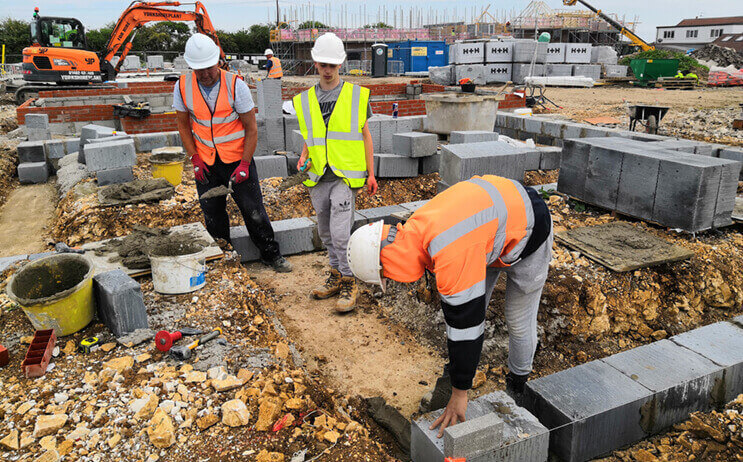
(533, 125)
(409, 124)
(291, 123)
(443, 75)
(7, 262)
(415, 144)
(297, 142)
(394, 166)
(476, 72)
(93, 131)
(269, 99)
(472, 136)
(521, 71)
(587, 70)
(146, 142)
(271, 166)
(114, 175)
(429, 164)
(243, 245)
(374, 124)
(573, 164)
(549, 157)
(291, 163)
(573, 130)
(498, 52)
(467, 53)
(473, 437)
(31, 151)
(556, 53)
(637, 183)
(532, 160)
(523, 438)
(523, 51)
(615, 70)
(681, 380)
(272, 136)
(54, 151)
(590, 409)
(33, 172)
(119, 302)
(413, 206)
(726, 194)
(553, 128)
(294, 235)
(441, 186)
(380, 213)
(735, 155)
(387, 126)
(38, 121)
(131, 62)
(174, 138)
(38, 134)
(460, 162)
(676, 144)
(578, 53)
(498, 72)
(603, 55)
(110, 155)
(602, 176)
(721, 343)
(558, 70)
(155, 62)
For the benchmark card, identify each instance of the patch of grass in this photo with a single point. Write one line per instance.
(686, 63)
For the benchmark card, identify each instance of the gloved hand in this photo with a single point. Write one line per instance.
(242, 172)
(199, 169)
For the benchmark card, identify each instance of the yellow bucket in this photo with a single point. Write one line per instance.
(168, 163)
(55, 292)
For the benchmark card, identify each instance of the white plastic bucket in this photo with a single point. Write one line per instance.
(180, 274)
(523, 111)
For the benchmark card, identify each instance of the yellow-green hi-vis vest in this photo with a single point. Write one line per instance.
(340, 145)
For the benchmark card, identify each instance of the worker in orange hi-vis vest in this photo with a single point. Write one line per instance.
(273, 65)
(466, 236)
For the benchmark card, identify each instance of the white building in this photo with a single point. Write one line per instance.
(690, 34)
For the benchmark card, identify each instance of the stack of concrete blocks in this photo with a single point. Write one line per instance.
(496, 429)
(111, 159)
(409, 149)
(600, 406)
(155, 62)
(735, 154)
(604, 55)
(498, 61)
(587, 70)
(32, 165)
(270, 118)
(460, 162)
(614, 70)
(294, 236)
(37, 127)
(119, 302)
(443, 75)
(524, 52)
(555, 53)
(131, 63)
(57, 149)
(675, 189)
(91, 132)
(468, 58)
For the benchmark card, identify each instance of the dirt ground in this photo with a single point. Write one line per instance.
(25, 219)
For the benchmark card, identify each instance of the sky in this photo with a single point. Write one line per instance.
(232, 15)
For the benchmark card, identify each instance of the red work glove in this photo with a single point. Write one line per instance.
(199, 169)
(242, 172)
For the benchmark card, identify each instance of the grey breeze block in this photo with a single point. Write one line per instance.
(93, 131)
(476, 72)
(415, 144)
(119, 302)
(498, 52)
(471, 136)
(467, 53)
(114, 176)
(33, 172)
(271, 166)
(394, 166)
(461, 162)
(31, 151)
(294, 236)
(109, 155)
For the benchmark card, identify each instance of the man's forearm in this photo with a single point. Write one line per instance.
(251, 141)
(368, 151)
(184, 129)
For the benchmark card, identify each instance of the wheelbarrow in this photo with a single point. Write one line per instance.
(648, 116)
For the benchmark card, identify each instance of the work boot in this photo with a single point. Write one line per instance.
(348, 292)
(280, 265)
(331, 287)
(515, 384)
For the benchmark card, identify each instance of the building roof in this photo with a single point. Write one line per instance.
(711, 21)
(734, 41)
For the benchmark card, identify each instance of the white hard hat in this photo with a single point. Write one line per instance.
(328, 49)
(268, 52)
(363, 253)
(201, 52)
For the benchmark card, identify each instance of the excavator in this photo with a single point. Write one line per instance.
(59, 53)
(622, 30)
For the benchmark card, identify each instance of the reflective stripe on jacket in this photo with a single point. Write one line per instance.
(485, 221)
(275, 72)
(219, 132)
(340, 145)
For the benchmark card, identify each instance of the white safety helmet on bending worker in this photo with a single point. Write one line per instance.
(201, 52)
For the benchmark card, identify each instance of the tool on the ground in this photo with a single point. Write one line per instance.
(134, 110)
(61, 247)
(297, 178)
(183, 353)
(88, 343)
(164, 340)
(39, 353)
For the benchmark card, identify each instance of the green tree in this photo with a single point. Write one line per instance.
(97, 38)
(259, 38)
(227, 41)
(15, 35)
(312, 25)
(379, 25)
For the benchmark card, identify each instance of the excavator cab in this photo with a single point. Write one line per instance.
(58, 52)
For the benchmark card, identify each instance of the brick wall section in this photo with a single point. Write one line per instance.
(405, 107)
(131, 88)
(511, 102)
(67, 114)
(152, 124)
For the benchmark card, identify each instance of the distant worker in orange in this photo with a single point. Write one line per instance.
(466, 236)
(273, 65)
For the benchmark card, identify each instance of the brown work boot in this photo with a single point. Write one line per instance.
(348, 293)
(331, 287)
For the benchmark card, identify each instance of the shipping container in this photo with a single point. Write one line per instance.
(419, 55)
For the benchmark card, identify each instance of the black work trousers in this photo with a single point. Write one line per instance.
(249, 200)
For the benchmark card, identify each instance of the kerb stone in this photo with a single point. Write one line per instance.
(119, 302)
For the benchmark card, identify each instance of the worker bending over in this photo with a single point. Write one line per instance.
(216, 121)
(273, 65)
(332, 118)
(466, 236)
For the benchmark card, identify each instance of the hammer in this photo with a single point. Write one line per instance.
(183, 353)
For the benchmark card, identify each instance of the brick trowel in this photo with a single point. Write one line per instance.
(297, 178)
(218, 191)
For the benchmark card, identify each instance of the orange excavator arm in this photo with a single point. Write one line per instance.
(140, 13)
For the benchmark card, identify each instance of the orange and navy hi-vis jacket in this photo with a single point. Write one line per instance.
(220, 132)
(485, 221)
(275, 72)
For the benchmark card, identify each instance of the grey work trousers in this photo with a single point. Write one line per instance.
(524, 286)
(335, 206)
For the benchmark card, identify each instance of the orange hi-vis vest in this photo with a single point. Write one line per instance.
(220, 132)
(276, 72)
(485, 221)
